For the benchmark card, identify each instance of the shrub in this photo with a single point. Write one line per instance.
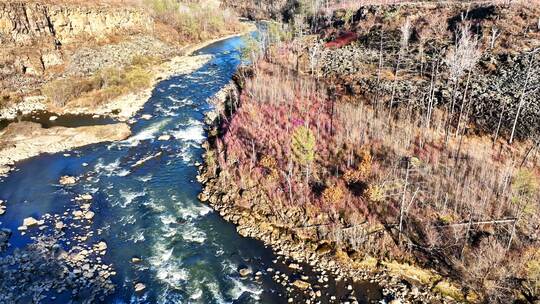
(532, 272)
(333, 194)
(525, 189)
(61, 91)
(303, 145)
(144, 61)
(137, 78)
(194, 21)
(374, 193)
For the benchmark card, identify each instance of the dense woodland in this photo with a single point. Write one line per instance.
(401, 132)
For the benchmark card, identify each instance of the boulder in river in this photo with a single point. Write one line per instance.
(101, 246)
(164, 137)
(67, 180)
(140, 287)
(89, 215)
(245, 272)
(59, 225)
(301, 284)
(85, 197)
(30, 221)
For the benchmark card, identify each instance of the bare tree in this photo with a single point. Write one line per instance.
(404, 45)
(460, 60)
(315, 52)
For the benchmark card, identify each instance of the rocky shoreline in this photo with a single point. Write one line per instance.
(400, 283)
(47, 269)
(23, 140)
(123, 108)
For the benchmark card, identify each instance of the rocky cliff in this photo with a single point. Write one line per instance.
(37, 37)
(258, 9)
(25, 23)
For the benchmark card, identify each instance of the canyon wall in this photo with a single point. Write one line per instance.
(25, 23)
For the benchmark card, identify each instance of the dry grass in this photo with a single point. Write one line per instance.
(105, 85)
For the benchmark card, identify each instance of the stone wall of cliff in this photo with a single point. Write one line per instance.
(26, 23)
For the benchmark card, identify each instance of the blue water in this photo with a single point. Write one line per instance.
(151, 211)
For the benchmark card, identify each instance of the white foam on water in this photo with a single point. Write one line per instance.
(153, 205)
(145, 178)
(170, 111)
(216, 293)
(228, 266)
(130, 196)
(137, 236)
(170, 297)
(128, 219)
(172, 86)
(123, 172)
(240, 288)
(192, 210)
(146, 134)
(193, 133)
(107, 169)
(196, 295)
(168, 270)
(190, 233)
(168, 219)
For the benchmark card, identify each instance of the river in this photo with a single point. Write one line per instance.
(144, 197)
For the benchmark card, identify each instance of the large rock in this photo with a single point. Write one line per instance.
(23, 140)
(139, 287)
(30, 221)
(245, 272)
(67, 180)
(301, 284)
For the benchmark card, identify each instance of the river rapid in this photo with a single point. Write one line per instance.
(144, 197)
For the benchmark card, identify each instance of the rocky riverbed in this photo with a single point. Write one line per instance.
(64, 259)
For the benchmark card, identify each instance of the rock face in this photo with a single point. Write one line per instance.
(23, 23)
(259, 9)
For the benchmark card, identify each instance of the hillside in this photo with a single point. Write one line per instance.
(393, 139)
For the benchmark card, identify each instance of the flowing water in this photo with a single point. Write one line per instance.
(145, 202)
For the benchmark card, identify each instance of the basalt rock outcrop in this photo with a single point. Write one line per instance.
(23, 23)
(506, 74)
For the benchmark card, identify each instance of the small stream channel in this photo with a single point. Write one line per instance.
(149, 210)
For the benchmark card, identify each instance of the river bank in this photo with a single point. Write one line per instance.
(122, 109)
(283, 230)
